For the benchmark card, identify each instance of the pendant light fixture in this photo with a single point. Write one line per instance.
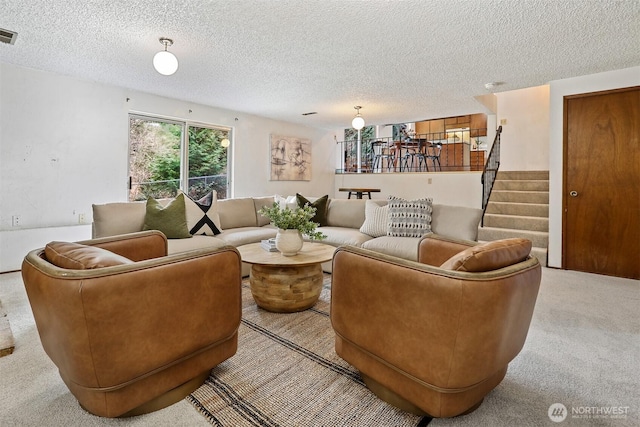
(358, 121)
(164, 61)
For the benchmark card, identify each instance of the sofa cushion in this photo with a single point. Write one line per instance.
(346, 213)
(202, 215)
(337, 236)
(457, 222)
(235, 213)
(259, 203)
(111, 219)
(321, 204)
(490, 255)
(402, 247)
(376, 219)
(75, 256)
(245, 235)
(176, 246)
(409, 218)
(171, 219)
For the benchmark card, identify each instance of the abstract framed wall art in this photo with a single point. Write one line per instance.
(290, 158)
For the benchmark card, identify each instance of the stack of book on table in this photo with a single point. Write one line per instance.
(269, 245)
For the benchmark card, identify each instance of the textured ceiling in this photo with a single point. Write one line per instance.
(401, 60)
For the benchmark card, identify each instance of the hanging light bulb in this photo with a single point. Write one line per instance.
(358, 121)
(164, 61)
(225, 143)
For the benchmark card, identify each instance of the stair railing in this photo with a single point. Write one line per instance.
(490, 172)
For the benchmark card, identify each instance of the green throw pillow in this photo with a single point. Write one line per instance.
(320, 204)
(170, 220)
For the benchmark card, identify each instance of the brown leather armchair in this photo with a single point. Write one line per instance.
(434, 340)
(130, 329)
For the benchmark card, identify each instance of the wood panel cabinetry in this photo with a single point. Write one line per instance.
(456, 155)
(423, 127)
(478, 125)
(476, 122)
(477, 159)
(429, 126)
(452, 156)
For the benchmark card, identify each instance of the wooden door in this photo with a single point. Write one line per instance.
(601, 224)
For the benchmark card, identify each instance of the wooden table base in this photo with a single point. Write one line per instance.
(286, 289)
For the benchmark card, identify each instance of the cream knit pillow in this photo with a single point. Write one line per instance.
(376, 219)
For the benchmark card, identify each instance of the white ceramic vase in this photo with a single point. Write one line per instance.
(288, 242)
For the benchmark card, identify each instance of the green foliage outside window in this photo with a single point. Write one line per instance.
(155, 160)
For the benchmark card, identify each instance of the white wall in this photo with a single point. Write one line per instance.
(524, 143)
(628, 77)
(448, 188)
(64, 146)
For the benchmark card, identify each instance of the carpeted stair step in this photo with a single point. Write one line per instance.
(539, 239)
(532, 223)
(535, 175)
(519, 207)
(538, 197)
(541, 254)
(524, 209)
(521, 185)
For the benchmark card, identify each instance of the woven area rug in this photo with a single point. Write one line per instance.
(286, 373)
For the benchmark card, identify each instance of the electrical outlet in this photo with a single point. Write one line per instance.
(503, 122)
(81, 218)
(15, 221)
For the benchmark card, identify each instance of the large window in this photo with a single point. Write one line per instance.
(166, 155)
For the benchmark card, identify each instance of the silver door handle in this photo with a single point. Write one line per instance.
(573, 194)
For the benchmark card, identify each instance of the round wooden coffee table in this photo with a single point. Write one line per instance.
(286, 284)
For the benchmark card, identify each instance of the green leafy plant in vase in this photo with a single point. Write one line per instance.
(292, 224)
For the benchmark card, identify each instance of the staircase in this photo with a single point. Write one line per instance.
(519, 207)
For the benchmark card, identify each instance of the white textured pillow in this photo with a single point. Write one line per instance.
(202, 215)
(409, 218)
(376, 219)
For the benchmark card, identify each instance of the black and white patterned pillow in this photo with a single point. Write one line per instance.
(202, 215)
(409, 218)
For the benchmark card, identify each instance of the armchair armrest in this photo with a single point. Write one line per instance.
(134, 246)
(435, 249)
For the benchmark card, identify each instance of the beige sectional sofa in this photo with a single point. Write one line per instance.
(242, 224)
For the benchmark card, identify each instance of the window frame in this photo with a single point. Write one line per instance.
(184, 146)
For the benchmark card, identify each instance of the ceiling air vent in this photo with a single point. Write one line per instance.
(8, 37)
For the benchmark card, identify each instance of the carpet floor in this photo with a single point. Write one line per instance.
(583, 351)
